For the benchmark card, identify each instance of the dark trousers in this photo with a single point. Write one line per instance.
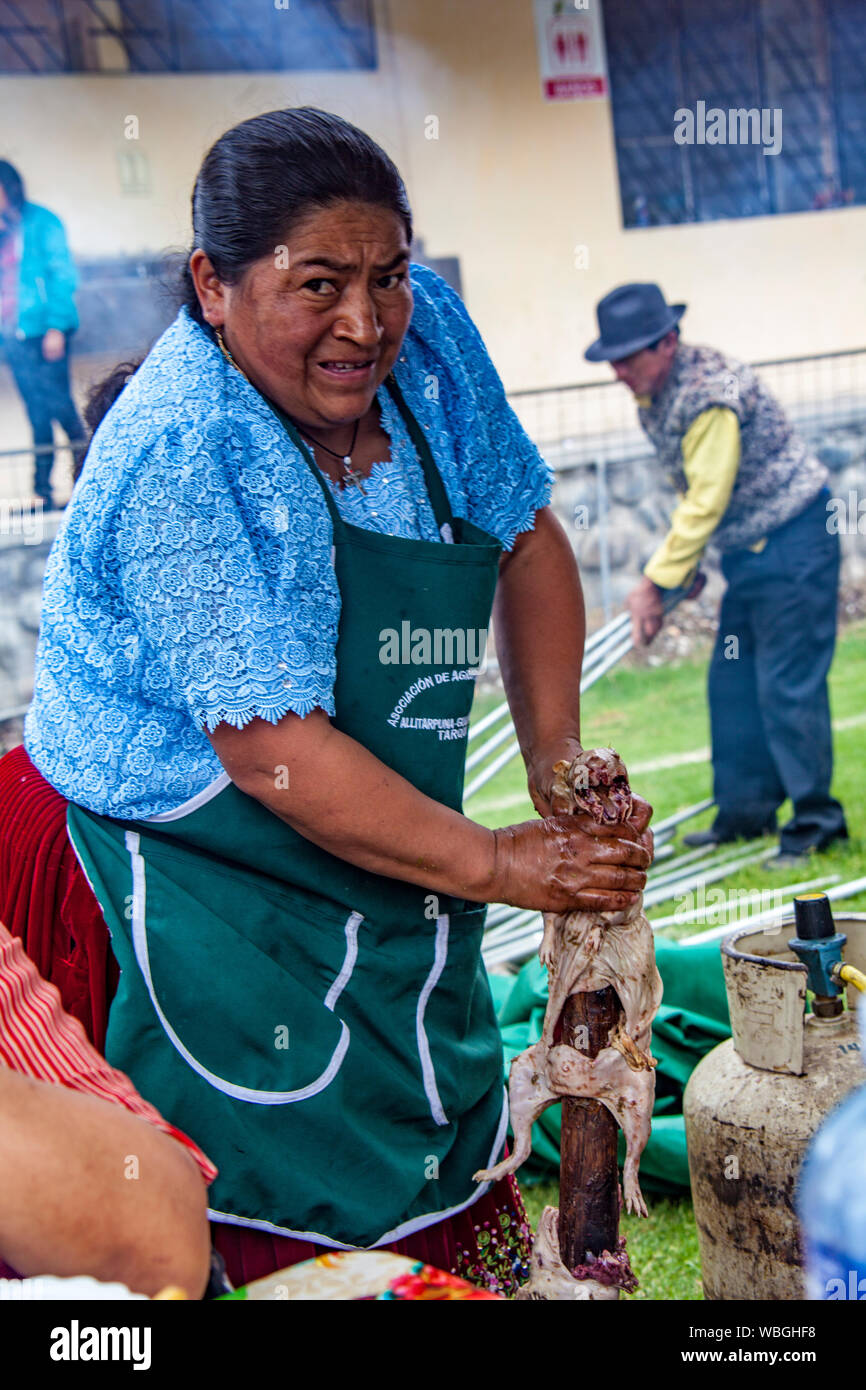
(44, 389)
(769, 707)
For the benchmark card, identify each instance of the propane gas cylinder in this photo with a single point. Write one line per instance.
(753, 1103)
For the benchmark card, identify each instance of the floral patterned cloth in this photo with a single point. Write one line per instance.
(191, 580)
(489, 1244)
(362, 1276)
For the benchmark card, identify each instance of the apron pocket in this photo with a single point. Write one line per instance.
(258, 1028)
(457, 1036)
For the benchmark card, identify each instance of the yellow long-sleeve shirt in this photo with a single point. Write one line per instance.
(711, 458)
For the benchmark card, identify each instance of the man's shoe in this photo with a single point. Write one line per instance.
(787, 859)
(696, 839)
(796, 858)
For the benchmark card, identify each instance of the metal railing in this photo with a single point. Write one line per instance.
(592, 428)
(590, 435)
(596, 421)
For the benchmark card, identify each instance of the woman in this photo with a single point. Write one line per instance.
(316, 454)
(37, 320)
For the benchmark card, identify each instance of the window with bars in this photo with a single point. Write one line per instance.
(117, 36)
(805, 59)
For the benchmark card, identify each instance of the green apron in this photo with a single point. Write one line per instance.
(327, 1035)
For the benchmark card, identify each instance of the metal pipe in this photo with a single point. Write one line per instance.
(502, 711)
(652, 898)
(706, 857)
(507, 731)
(622, 620)
(685, 814)
(844, 890)
(605, 664)
(603, 545)
(505, 925)
(601, 641)
(497, 912)
(662, 852)
(660, 923)
(677, 862)
(514, 951)
(511, 931)
(599, 637)
(610, 641)
(484, 777)
(524, 938)
(492, 717)
(587, 681)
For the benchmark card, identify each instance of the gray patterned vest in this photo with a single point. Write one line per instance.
(778, 477)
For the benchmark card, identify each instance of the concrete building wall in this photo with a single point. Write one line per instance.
(512, 185)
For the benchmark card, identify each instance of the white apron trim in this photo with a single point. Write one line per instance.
(440, 955)
(348, 965)
(408, 1228)
(201, 798)
(139, 941)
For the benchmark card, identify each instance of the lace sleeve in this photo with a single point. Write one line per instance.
(505, 478)
(234, 600)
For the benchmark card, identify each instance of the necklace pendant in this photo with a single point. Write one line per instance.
(352, 475)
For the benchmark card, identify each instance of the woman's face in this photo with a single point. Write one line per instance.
(318, 324)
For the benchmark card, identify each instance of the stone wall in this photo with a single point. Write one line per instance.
(25, 539)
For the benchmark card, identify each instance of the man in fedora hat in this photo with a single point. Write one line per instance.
(748, 482)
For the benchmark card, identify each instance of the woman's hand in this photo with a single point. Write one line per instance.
(570, 862)
(540, 775)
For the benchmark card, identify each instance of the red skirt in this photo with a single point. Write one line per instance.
(46, 900)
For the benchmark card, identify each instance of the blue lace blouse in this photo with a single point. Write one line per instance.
(191, 579)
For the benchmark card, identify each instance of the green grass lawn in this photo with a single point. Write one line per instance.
(649, 714)
(663, 1249)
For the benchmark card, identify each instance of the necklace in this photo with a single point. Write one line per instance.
(351, 474)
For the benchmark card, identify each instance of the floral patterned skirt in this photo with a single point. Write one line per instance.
(489, 1244)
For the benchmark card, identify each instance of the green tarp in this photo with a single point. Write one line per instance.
(692, 1020)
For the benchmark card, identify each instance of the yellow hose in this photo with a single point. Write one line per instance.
(852, 976)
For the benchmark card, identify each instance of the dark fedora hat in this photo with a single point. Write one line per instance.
(630, 318)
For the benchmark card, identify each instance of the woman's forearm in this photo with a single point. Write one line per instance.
(337, 794)
(540, 626)
(72, 1203)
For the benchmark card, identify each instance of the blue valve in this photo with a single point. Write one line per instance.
(818, 944)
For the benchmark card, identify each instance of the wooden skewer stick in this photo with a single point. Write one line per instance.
(588, 1176)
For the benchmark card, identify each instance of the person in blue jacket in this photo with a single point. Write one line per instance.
(37, 319)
